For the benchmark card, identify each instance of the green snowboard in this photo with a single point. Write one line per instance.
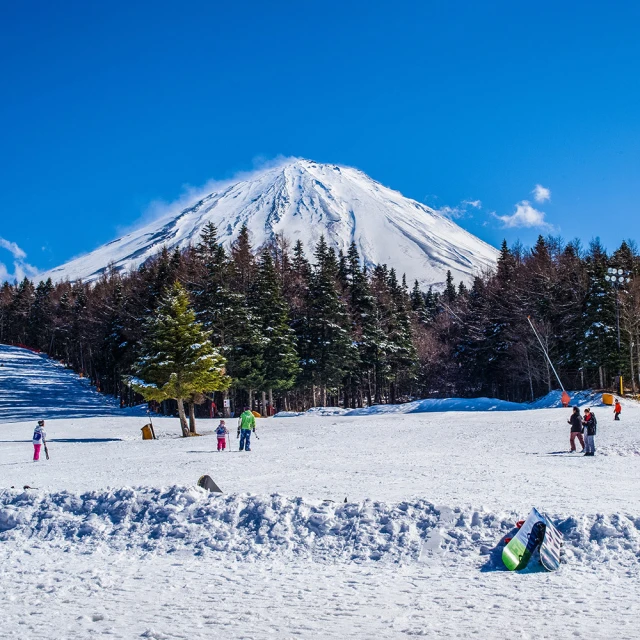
(517, 553)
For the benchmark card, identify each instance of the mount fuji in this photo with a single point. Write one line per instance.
(304, 200)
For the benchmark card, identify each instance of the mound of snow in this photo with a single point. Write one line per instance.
(249, 527)
(552, 400)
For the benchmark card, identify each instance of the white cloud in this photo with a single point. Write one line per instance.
(460, 210)
(20, 267)
(451, 212)
(525, 215)
(541, 194)
(15, 250)
(161, 209)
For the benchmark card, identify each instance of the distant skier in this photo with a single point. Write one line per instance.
(222, 432)
(617, 410)
(39, 438)
(246, 424)
(576, 430)
(590, 424)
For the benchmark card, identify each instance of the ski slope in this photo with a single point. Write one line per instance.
(305, 200)
(33, 385)
(117, 540)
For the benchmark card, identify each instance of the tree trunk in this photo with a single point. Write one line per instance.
(192, 418)
(250, 399)
(263, 409)
(225, 403)
(633, 379)
(272, 408)
(183, 418)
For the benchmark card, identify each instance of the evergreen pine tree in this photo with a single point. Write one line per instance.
(279, 351)
(178, 359)
(329, 338)
(402, 357)
(449, 293)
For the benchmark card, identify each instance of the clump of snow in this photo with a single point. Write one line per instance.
(249, 527)
(553, 400)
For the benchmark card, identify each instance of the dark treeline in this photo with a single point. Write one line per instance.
(299, 333)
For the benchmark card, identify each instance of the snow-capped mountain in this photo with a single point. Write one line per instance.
(305, 200)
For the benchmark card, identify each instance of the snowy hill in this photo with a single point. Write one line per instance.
(304, 200)
(34, 387)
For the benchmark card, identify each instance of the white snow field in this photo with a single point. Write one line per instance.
(116, 540)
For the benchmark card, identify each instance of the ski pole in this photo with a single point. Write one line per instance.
(545, 353)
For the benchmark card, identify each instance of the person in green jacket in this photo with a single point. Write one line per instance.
(246, 424)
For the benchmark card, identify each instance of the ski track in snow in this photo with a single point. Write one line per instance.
(118, 541)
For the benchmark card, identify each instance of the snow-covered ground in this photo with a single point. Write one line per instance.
(117, 540)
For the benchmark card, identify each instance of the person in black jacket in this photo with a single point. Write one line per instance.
(589, 422)
(576, 430)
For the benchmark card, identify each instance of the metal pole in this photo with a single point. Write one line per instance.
(618, 318)
(620, 383)
(546, 354)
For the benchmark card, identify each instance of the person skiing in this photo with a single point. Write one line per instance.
(246, 424)
(617, 410)
(576, 430)
(590, 423)
(39, 438)
(222, 432)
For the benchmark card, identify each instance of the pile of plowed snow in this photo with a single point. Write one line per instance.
(249, 527)
(552, 400)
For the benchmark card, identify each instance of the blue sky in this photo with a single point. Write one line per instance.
(109, 107)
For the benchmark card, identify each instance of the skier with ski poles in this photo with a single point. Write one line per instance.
(39, 439)
(222, 433)
(246, 424)
(576, 430)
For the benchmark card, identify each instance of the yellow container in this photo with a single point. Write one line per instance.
(607, 398)
(147, 432)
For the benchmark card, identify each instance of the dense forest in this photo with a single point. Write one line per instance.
(299, 331)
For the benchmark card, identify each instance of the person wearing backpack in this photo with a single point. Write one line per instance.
(590, 424)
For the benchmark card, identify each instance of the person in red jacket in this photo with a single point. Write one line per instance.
(617, 410)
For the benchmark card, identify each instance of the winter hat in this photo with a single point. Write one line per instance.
(41, 423)
(222, 422)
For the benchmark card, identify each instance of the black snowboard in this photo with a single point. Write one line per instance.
(206, 482)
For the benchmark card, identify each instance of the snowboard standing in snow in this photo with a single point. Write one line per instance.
(551, 546)
(537, 530)
(206, 482)
(517, 553)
